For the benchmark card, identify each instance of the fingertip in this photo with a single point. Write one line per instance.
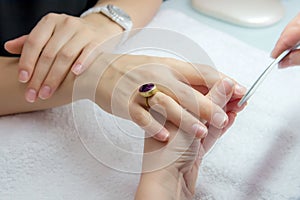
(219, 120)
(23, 76)
(162, 136)
(240, 90)
(200, 130)
(77, 69)
(45, 92)
(30, 95)
(273, 54)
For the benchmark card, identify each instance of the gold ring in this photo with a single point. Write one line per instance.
(148, 90)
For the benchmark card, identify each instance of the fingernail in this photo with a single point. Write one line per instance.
(241, 90)
(272, 53)
(225, 86)
(77, 69)
(220, 120)
(285, 63)
(45, 92)
(30, 95)
(199, 130)
(23, 76)
(162, 135)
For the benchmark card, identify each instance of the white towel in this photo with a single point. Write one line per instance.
(42, 157)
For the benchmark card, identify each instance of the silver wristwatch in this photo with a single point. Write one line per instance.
(114, 13)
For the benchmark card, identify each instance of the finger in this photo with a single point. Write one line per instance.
(15, 46)
(232, 106)
(193, 74)
(221, 93)
(231, 116)
(196, 103)
(173, 112)
(61, 66)
(292, 59)
(46, 60)
(33, 46)
(239, 91)
(289, 37)
(147, 122)
(86, 58)
(214, 134)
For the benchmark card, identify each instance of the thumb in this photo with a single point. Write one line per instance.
(15, 46)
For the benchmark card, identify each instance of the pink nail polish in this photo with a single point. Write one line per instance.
(77, 69)
(30, 95)
(240, 90)
(162, 136)
(219, 120)
(199, 130)
(45, 92)
(225, 86)
(23, 76)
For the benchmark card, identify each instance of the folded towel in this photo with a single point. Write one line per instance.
(55, 154)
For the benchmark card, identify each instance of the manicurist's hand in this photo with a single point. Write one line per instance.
(170, 171)
(57, 44)
(288, 39)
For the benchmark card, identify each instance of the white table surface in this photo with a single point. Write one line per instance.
(262, 38)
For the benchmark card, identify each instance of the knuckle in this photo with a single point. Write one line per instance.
(47, 56)
(31, 41)
(66, 54)
(49, 17)
(70, 21)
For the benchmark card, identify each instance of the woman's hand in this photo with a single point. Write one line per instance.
(170, 170)
(57, 44)
(288, 39)
(181, 99)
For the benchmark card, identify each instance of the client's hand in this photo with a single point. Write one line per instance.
(180, 98)
(170, 170)
(289, 38)
(57, 44)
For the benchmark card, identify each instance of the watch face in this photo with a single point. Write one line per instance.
(117, 13)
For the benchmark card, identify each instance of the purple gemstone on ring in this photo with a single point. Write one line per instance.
(146, 87)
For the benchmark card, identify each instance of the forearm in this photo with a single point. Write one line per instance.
(12, 92)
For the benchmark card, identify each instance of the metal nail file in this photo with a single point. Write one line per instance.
(262, 77)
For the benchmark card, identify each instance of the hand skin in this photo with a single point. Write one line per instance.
(112, 82)
(170, 169)
(60, 43)
(288, 39)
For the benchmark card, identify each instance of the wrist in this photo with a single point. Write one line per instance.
(103, 22)
(160, 184)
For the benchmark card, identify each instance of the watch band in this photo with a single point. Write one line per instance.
(115, 14)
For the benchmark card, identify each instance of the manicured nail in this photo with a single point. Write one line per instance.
(225, 86)
(30, 95)
(77, 69)
(220, 120)
(162, 135)
(23, 76)
(199, 130)
(240, 90)
(45, 92)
